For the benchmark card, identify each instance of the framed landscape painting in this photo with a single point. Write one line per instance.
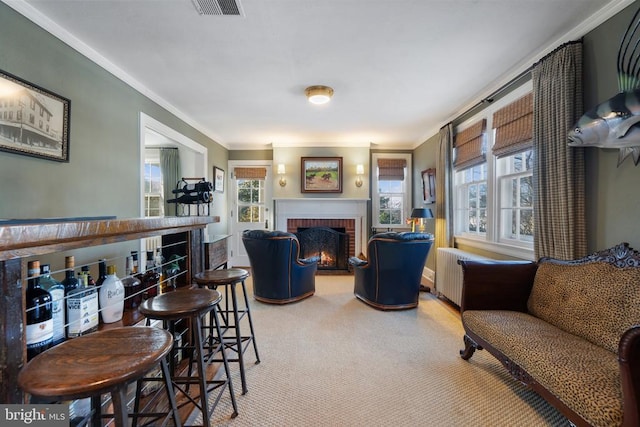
(33, 121)
(321, 174)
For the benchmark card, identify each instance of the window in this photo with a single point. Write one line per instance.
(515, 186)
(250, 200)
(250, 187)
(391, 185)
(153, 188)
(493, 192)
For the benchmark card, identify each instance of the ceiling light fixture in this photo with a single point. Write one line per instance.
(319, 94)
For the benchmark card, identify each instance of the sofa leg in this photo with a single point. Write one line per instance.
(469, 348)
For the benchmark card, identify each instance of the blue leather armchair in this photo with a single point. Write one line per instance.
(390, 279)
(279, 275)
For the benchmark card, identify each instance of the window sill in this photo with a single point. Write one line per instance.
(498, 248)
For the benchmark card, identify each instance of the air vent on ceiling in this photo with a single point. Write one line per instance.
(219, 7)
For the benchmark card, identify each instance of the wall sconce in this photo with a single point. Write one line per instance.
(359, 172)
(281, 172)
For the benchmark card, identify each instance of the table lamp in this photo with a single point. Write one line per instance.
(420, 214)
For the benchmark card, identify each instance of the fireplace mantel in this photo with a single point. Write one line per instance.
(325, 208)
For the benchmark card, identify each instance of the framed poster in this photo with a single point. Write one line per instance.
(321, 174)
(218, 180)
(33, 121)
(429, 185)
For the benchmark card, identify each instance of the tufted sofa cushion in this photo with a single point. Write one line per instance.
(596, 301)
(584, 376)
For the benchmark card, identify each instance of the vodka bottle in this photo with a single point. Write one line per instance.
(39, 331)
(58, 305)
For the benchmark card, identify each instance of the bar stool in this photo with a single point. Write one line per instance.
(103, 362)
(229, 278)
(193, 304)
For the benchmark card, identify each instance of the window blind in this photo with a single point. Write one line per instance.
(468, 145)
(250, 173)
(391, 169)
(514, 127)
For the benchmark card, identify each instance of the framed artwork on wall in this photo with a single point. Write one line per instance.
(321, 174)
(429, 185)
(218, 180)
(33, 121)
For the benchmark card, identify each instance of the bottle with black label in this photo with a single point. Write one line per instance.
(82, 306)
(39, 313)
(56, 289)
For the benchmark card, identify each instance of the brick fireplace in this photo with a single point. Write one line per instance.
(350, 214)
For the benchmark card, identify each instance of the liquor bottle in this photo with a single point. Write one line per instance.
(111, 297)
(82, 305)
(87, 272)
(134, 266)
(102, 272)
(39, 331)
(132, 286)
(70, 282)
(150, 278)
(58, 306)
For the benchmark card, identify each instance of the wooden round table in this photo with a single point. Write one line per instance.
(106, 361)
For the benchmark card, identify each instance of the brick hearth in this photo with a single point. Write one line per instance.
(349, 226)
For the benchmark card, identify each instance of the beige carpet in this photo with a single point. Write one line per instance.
(331, 360)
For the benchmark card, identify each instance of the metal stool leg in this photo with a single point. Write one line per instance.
(253, 335)
(234, 301)
(204, 401)
(226, 365)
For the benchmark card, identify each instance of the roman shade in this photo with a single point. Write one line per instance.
(250, 173)
(391, 169)
(468, 146)
(514, 127)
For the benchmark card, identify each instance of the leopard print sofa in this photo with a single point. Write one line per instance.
(570, 330)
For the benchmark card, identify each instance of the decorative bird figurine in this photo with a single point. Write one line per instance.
(614, 123)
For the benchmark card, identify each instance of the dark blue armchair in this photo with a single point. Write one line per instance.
(279, 275)
(390, 278)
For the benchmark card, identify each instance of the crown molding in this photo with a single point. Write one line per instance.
(606, 12)
(78, 45)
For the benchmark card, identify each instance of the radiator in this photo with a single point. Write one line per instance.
(449, 272)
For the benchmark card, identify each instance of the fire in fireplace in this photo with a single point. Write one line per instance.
(330, 244)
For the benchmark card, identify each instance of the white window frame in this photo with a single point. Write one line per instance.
(407, 190)
(491, 240)
(153, 157)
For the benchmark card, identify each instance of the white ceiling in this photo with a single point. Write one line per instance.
(400, 68)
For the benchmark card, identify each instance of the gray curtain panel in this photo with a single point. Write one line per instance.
(444, 189)
(559, 171)
(170, 164)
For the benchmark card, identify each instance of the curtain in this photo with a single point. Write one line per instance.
(444, 197)
(468, 145)
(170, 166)
(558, 170)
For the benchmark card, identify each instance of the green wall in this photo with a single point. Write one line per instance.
(613, 202)
(103, 173)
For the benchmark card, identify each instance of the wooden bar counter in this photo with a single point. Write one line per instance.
(24, 239)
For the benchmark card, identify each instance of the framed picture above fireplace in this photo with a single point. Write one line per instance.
(321, 174)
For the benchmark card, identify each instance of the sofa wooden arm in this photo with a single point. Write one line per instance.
(629, 358)
(496, 285)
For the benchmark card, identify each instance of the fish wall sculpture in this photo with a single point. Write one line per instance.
(615, 123)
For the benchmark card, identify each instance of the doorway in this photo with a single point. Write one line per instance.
(251, 204)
